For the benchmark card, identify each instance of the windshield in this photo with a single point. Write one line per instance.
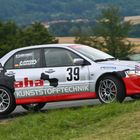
(134, 57)
(92, 53)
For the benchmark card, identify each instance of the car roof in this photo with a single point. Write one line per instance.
(5, 57)
(46, 45)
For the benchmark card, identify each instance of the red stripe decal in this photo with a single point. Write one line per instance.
(60, 97)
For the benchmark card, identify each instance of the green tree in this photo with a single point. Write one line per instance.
(36, 34)
(12, 36)
(8, 37)
(110, 33)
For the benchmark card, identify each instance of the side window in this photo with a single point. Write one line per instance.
(59, 57)
(27, 59)
(9, 63)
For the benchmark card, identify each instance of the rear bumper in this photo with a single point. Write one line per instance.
(132, 85)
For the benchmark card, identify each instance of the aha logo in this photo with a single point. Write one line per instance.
(28, 83)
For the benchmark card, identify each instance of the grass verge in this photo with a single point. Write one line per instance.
(102, 122)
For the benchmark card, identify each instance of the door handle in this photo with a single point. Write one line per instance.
(50, 71)
(10, 73)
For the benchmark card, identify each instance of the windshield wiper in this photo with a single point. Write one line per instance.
(106, 59)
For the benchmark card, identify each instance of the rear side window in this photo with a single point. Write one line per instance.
(27, 59)
(9, 64)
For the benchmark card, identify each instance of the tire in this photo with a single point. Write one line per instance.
(136, 97)
(34, 107)
(7, 101)
(110, 89)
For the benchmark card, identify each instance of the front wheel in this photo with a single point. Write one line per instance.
(34, 107)
(7, 101)
(110, 89)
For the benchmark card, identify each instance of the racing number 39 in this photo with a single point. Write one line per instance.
(73, 74)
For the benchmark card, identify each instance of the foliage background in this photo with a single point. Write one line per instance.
(109, 34)
(13, 36)
(27, 11)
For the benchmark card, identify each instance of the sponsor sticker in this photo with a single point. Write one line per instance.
(24, 55)
(16, 65)
(28, 62)
(51, 91)
(107, 67)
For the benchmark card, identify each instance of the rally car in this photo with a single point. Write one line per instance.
(33, 76)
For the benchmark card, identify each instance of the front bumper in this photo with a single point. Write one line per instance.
(132, 85)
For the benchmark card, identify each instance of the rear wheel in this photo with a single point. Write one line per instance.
(7, 101)
(34, 107)
(110, 89)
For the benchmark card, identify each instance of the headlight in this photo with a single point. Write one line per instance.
(133, 73)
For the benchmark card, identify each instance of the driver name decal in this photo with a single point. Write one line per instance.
(28, 62)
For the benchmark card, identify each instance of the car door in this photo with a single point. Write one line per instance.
(62, 76)
(26, 66)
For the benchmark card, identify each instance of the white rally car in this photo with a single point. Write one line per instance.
(35, 75)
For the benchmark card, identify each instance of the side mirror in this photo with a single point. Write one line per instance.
(78, 61)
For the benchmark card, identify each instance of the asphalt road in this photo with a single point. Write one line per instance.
(19, 111)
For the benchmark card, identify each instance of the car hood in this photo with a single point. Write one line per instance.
(119, 64)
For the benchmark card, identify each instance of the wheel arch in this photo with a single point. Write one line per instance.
(11, 90)
(118, 75)
(11, 101)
